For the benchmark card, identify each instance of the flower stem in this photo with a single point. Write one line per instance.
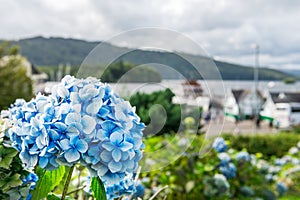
(67, 183)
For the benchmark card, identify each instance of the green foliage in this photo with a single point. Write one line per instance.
(146, 106)
(47, 181)
(14, 83)
(289, 80)
(269, 145)
(98, 189)
(54, 51)
(7, 155)
(52, 197)
(235, 72)
(190, 176)
(126, 72)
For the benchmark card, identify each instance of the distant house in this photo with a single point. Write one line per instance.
(36, 76)
(242, 104)
(191, 88)
(282, 109)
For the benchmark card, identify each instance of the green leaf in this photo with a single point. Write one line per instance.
(10, 182)
(47, 181)
(6, 156)
(208, 167)
(52, 197)
(55, 197)
(98, 189)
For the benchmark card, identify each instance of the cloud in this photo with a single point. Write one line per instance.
(225, 28)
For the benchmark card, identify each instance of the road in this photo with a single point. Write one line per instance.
(243, 127)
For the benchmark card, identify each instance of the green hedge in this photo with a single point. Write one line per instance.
(269, 145)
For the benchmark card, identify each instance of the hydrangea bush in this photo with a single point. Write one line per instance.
(220, 173)
(81, 121)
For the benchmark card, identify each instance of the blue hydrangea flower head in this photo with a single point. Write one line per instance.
(221, 183)
(84, 121)
(219, 145)
(243, 156)
(229, 170)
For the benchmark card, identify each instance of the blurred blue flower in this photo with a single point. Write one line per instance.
(224, 158)
(280, 161)
(229, 170)
(140, 191)
(216, 186)
(219, 145)
(247, 191)
(243, 156)
(281, 188)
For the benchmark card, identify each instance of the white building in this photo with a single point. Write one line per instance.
(242, 104)
(282, 109)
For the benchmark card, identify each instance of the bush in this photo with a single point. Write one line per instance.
(269, 145)
(209, 176)
(155, 105)
(127, 72)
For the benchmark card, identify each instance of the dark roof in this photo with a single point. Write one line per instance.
(239, 95)
(285, 97)
(34, 70)
(191, 82)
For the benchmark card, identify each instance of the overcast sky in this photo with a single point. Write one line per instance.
(226, 29)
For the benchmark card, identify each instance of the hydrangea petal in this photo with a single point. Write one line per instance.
(73, 118)
(62, 92)
(65, 144)
(126, 146)
(88, 124)
(101, 170)
(81, 146)
(43, 162)
(116, 154)
(72, 155)
(108, 146)
(116, 137)
(28, 160)
(114, 166)
(106, 156)
(93, 108)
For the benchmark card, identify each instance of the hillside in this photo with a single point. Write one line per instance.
(54, 51)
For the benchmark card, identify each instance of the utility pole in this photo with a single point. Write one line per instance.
(256, 76)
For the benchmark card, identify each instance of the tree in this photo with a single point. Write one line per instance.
(127, 72)
(14, 81)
